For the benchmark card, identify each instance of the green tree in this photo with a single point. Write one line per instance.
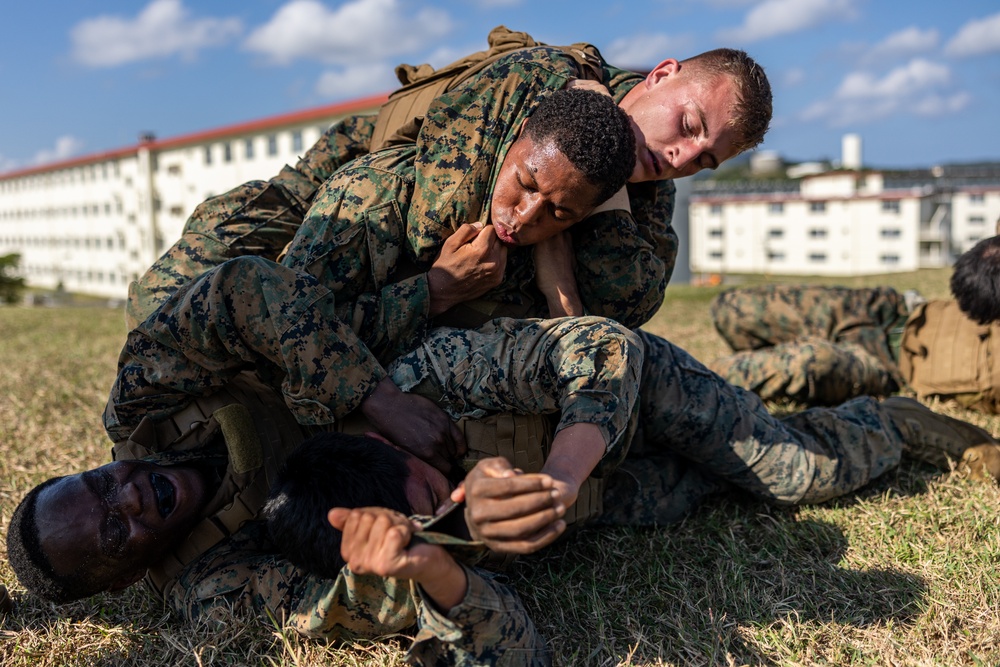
(11, 286)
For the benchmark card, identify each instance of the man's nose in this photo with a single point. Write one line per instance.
(528, 209)
(129, 499)
(687, 152)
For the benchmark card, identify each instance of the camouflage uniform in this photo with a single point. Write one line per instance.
(816, 345)
(624, 259)
(249, 312)
(257, 218)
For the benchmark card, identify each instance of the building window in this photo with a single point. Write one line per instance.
(715, 232)
(208, 155)
(889, 259)
(776, 208)
(272, 144)
(891, 232)
(817, 233)
(976, 220)
(715, 209)
(890, 206)
(227, 152)
(977, 198)
(817, 207)
(176, 211)
(715, 254)
(248, 148)
(817, 257)
(297, 141)
(775, 233)
(773, 256)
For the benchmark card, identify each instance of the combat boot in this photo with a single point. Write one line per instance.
(930, 437)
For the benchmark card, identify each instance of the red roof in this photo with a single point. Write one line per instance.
(249, 127)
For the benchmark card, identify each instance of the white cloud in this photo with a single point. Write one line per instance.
(164, 28)
(912, 78)
(794, 76)
(780, 17)
(356, 80)
(976, 38)
(936, 105)
(919, 87)
(7, 164)
(66, 147)
(356, 32)
(644, 50)
(904, 43)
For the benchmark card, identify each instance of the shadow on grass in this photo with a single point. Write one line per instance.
(707, 591)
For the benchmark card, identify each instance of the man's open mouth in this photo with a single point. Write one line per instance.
(164, 490)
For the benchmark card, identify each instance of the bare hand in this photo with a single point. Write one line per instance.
(472, 262)
(555, 277)
(376, 540)
(512, 512)
(416, 424)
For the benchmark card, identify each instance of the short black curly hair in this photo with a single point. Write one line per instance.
(330, 470)
(592, 132)
(975, 284)
(32, 566)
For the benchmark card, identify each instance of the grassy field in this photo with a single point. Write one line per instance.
(902, 573)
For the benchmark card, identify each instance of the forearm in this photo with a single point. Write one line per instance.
(246, 313)
(576, 451)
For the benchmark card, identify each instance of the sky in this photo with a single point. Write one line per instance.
(918, 80)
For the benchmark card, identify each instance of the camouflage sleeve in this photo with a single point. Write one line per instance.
(243, 574)
(489, 627)
(257, 218)
(588, 368)
(624, 260)
(465, 136)
(352, 241)
(247, 312)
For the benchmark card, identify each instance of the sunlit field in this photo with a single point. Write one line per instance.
(902, 573)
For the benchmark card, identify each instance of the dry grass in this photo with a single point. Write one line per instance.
(902, 573)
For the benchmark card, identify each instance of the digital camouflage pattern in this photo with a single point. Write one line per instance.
(587, 369)
(257, 218)
(244, 573)
(354, 238)
(624, 259)
(696, 435)
(815, 345)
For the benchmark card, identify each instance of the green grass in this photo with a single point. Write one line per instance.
(901, 573)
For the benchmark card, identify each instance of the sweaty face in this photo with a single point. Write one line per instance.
(538, 193)
(680, 122)
(117, 520)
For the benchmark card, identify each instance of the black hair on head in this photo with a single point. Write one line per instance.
(592, 132)
(32, 566)
(975, 284)
(326, 471)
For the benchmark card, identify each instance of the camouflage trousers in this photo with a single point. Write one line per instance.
(699, 435)
(257, 218)
(815, 345)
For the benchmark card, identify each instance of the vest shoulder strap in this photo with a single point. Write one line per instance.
(400, 117)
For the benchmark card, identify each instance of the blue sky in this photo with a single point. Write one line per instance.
(919, 80)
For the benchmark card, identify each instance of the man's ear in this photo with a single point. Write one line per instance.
(126, 580)
(521, 129)
(667, 68)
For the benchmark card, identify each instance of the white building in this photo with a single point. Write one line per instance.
(95, 223)
(838, 223)
(975, 214)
